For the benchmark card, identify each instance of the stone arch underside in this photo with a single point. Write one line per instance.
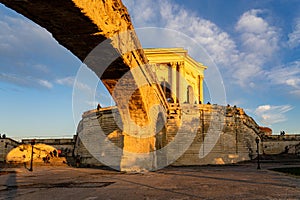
(81, 25)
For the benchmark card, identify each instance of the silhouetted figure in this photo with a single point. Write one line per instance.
(51, 154)
(98, 107)
(250, 154)
(78, 161)
(208, 103)
(286, 149)
(282, 133)
(47, 159)
(55, 153)
(3, 136)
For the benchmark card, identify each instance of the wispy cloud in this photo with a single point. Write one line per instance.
(19, 43)
(41, 68)
(19, 33)
(269, 114)
(29, 55)
(67, 81)
(45, 83)
(287, 75)
(294, 37)
(25, 81)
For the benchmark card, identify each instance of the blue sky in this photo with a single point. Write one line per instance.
(254, 44)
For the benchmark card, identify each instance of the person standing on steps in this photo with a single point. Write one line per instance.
(78, 158)
(98, 107)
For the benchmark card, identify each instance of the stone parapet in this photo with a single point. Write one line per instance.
(281, 138)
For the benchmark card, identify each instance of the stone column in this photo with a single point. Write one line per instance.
(200, 89)
(173, 83)
(180, 82)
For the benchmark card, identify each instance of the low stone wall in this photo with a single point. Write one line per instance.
(66, 145)
(281, 146)
(278, 144)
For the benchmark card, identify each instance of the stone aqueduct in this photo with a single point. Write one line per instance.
(80, 26)
(221, 134)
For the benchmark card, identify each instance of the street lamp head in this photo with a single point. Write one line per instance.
(32, 142)
(257, 140)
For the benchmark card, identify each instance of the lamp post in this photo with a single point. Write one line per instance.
(236, 130)
(257, 147)
(202, 126)
(31, 160)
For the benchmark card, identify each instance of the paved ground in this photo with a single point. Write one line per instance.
(242, 181)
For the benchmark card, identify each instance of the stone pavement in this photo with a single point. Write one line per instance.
(241, 181)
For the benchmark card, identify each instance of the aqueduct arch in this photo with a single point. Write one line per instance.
(80, 26)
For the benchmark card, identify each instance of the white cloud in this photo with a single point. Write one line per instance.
(21, 34)
(241, 64)
(45, 83)
(259, 44)
(68, 81)
(19, 38)
(216, 42)
(41, 68)
(25, 81)
(170, 15)
(269, 114)
(262, 108)
(294, 37)
(287, 75)
(142, 12)
(257, 35)
(27, 51)
(249, 22)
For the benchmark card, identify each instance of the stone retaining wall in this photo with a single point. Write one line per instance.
(221, 135)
